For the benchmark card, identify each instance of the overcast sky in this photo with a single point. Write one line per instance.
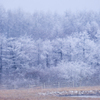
(59, 6)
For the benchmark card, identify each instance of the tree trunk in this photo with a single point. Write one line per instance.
(47, 60)
(1, 65)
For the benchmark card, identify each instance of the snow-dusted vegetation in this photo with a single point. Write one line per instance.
(49, 49)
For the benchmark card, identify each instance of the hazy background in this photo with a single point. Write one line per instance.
(59, 6)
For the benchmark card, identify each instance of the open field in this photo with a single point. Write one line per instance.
(33, 94)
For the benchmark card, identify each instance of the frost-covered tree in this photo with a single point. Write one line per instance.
(75, 72)
(1, 57)
(3, 40)
(47, 53)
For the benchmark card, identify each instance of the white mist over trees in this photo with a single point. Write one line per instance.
(46, 48)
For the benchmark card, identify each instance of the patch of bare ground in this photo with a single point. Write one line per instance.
(33, 94)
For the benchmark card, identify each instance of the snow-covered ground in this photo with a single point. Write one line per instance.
(71, 93)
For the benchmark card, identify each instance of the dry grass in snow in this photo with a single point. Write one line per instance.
(33, 94)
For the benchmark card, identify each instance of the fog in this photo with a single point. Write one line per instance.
(59, 6)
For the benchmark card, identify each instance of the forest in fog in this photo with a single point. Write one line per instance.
(49, 49)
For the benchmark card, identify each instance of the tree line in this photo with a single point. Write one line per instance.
(46, 48)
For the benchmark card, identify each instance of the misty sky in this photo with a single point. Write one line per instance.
(59, 6)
